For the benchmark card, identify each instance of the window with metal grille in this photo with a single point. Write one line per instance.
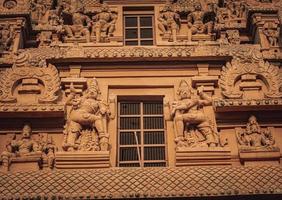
(141, 134)
(138, 30)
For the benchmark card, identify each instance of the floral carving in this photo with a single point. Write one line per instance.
(264, 71)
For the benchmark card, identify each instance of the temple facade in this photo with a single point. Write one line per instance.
(152, 99)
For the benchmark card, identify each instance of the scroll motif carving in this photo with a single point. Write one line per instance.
(264, 71)
(86, 127)
(193, 128)
(21, 74)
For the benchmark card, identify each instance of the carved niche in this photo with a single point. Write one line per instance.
(28, 152)
(30, 86)
(86, 126)
(260, 76)
(256, 143)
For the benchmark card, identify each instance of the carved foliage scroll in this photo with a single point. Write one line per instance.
(267, 73)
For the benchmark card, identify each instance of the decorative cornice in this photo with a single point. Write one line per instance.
(38, 56)
(225, 105)
(11, 108)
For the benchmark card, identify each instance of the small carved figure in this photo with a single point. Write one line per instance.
(169, 22)
(104, 24)
(254, 137)
(26, 145)
(271, 31)
(6, 37)
(196, 22)
(87, 112)
(49, 149)
(233, 36)
(192, 126)
(80, 25)
(40, 10)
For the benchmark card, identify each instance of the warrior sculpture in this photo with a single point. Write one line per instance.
(87, 112)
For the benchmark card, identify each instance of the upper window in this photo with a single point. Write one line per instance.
(141, 134)
(138, 28)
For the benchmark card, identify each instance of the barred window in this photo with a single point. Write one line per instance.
(141, 134)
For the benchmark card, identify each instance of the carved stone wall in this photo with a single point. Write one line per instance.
(66, 66)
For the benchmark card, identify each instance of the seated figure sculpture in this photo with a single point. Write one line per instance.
(25, 146)
(196, 23)
(79, 27)
(169, 22)
(87, 112)
(104, 24)
(253, 137)
(192, 126)
(22, 148)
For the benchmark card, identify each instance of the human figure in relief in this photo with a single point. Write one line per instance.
(87, 111)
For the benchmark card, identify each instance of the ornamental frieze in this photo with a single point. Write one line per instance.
(38, 56)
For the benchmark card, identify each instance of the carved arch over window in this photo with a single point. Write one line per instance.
(265, 72)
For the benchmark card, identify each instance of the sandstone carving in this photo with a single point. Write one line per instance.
(7, 34)
(271, 32)
(264, 71)
(26, 148)
(87, 121)
(27, 78)
(231, 15)
(196, 22)
(79, 28)
(193, 128)
(169, 22)
(254, 137)
(233, 36)
(104, 24)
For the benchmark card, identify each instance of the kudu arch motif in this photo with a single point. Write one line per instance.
(262, 70)
(47, 76)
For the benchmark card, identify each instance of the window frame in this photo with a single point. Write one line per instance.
(141, 145)
(138, 15)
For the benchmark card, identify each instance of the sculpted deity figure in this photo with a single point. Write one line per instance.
(196, 23)
(253, 136)
(104, 23)
(6, 37)
(192, 126)
(40, 10)
(26, 146)
(87, 112)
(271, 31)
(80, 25)
(169, 22)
